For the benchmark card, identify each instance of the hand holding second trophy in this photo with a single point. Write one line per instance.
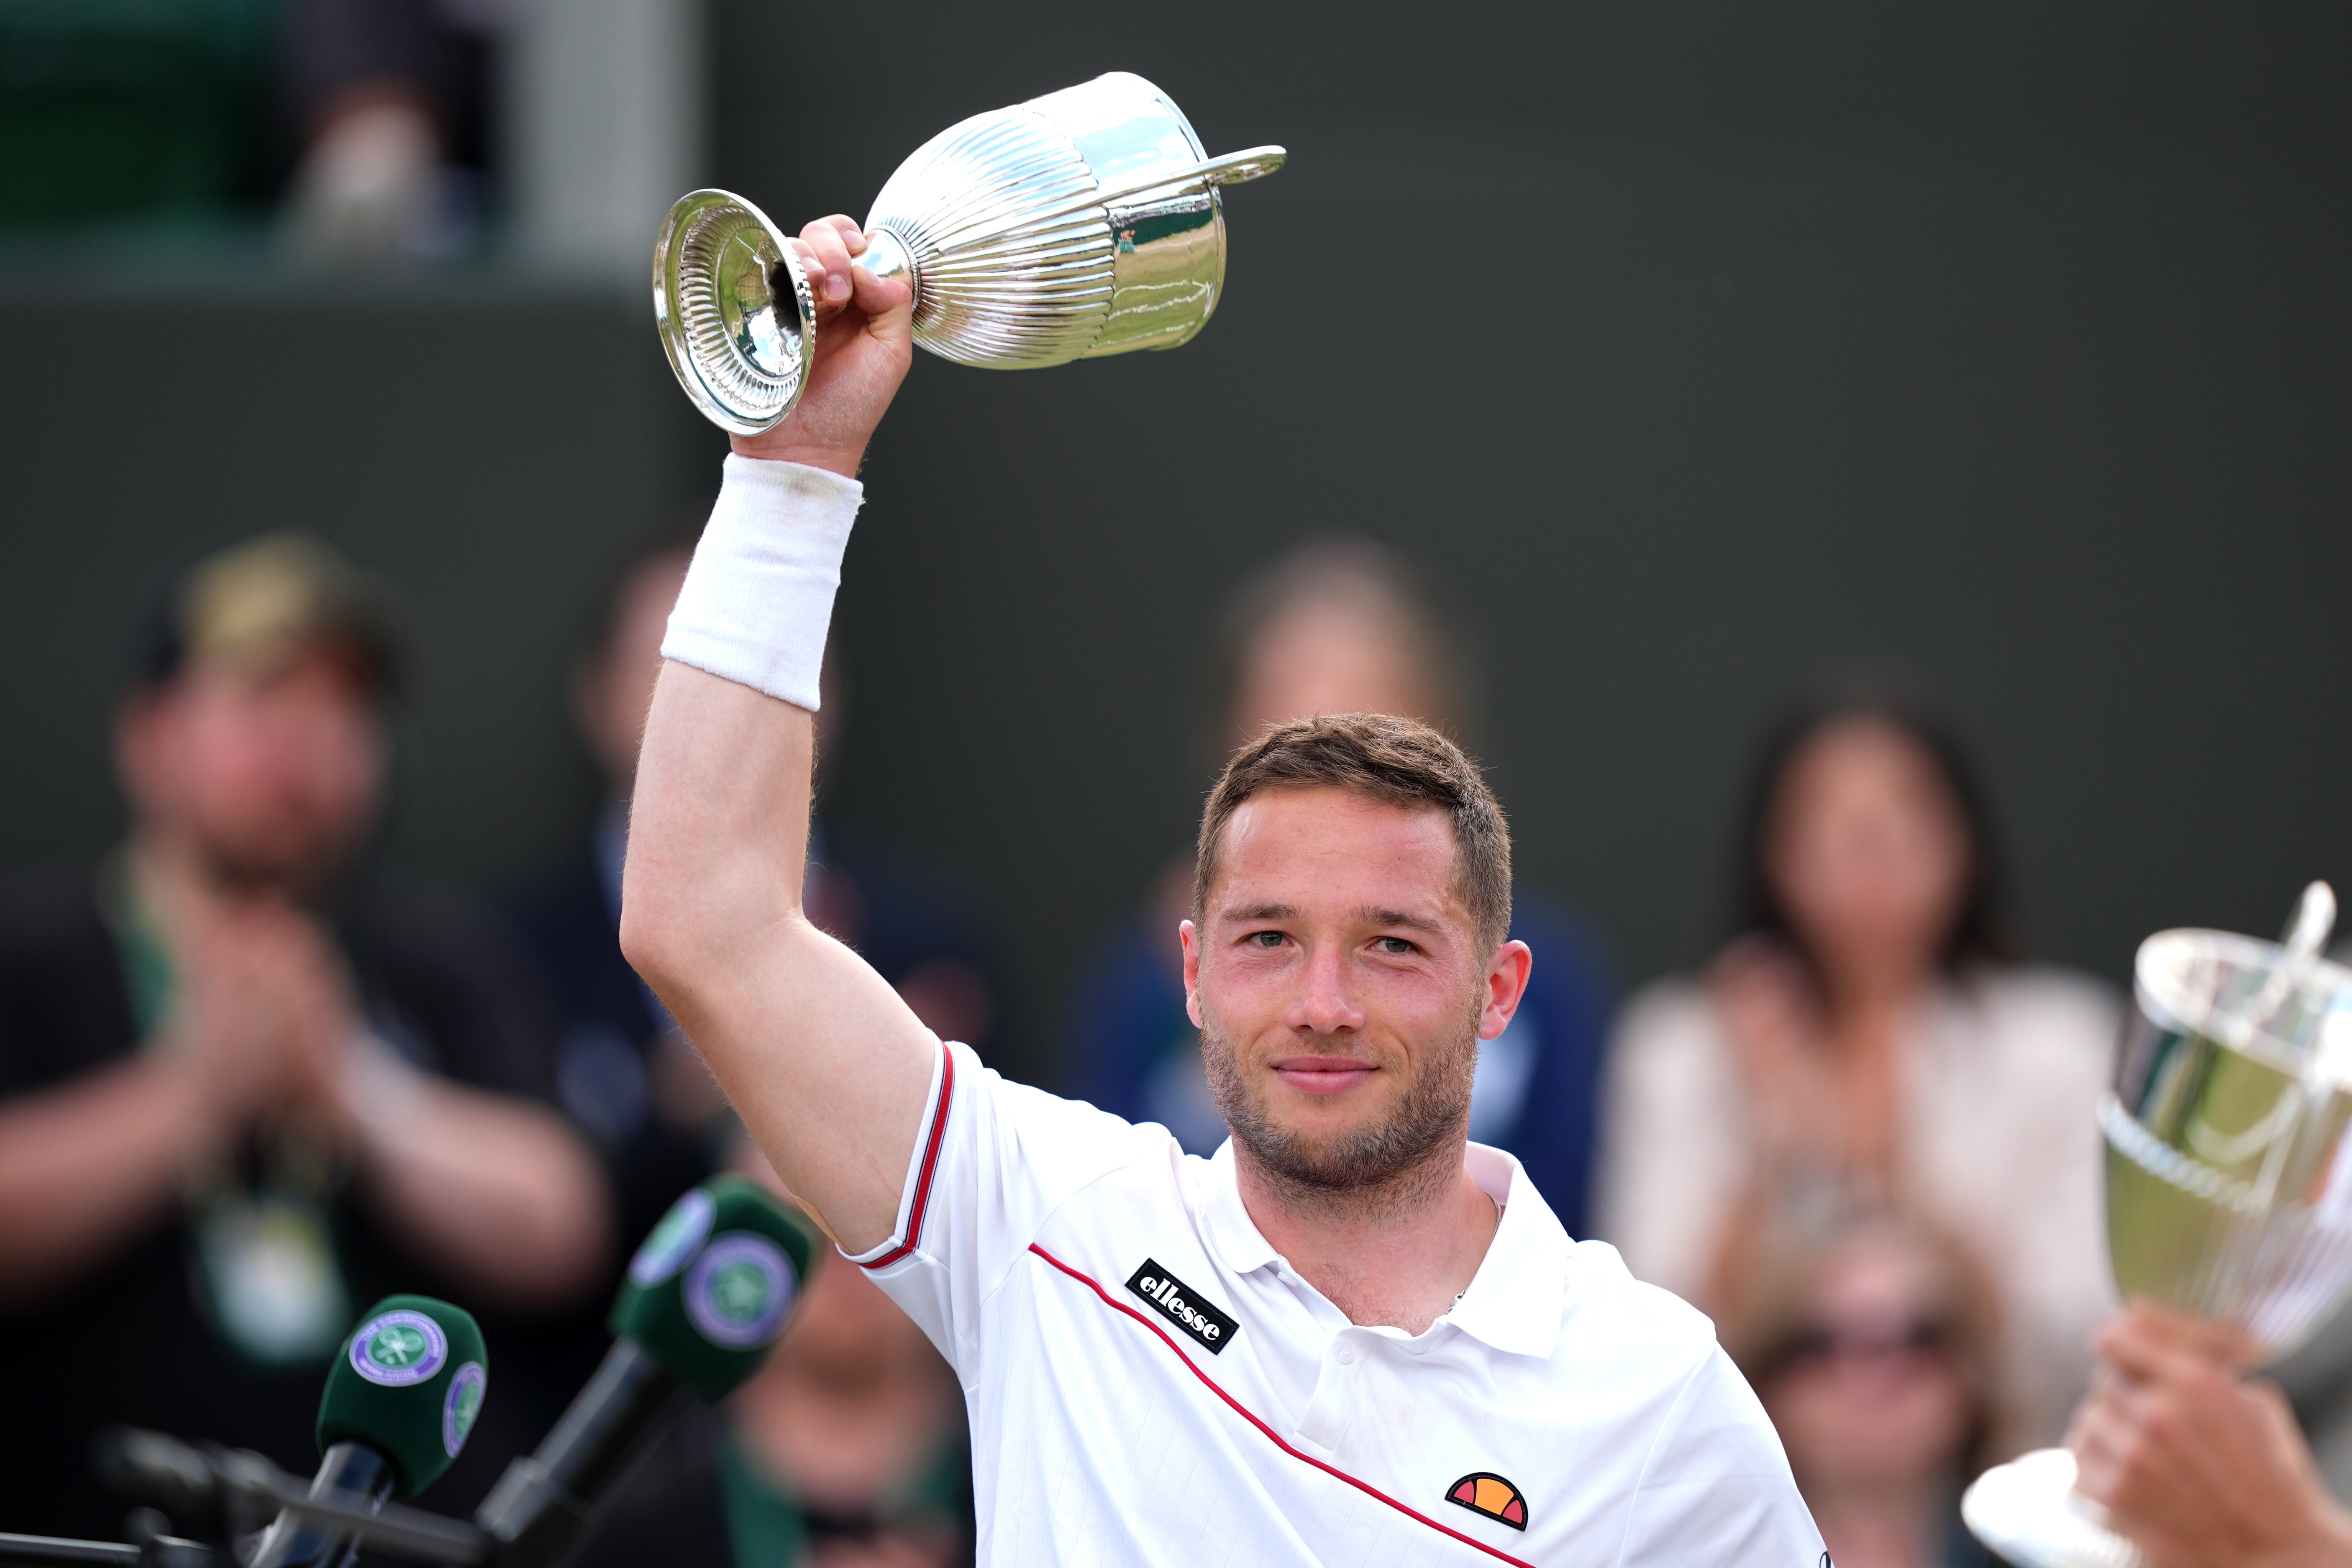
(2198, 1462)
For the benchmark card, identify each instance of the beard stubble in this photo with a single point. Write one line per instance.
(1388, 1163)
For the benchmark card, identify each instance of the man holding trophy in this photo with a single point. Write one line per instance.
(1351, 1335)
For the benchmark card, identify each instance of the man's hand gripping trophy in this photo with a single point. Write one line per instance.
(865, 341)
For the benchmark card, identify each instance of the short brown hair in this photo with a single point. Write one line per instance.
(1397, 762)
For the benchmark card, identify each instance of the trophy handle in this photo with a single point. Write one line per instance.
(2028, 1512)
(736, 317)
(1230, 170)
(1235, 167)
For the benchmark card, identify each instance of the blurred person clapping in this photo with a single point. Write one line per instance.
(1865, 1034)
(246, 1084)
(2199, 1464)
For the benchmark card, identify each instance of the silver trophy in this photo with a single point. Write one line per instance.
(1080, 224)
(2229, 1180)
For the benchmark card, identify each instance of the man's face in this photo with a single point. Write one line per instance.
(272, 775)
(1340, 987)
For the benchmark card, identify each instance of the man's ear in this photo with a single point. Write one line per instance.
(1190, 935)
(1507, 986)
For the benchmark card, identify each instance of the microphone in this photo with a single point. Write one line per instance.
(401, 1399)
(707, 1296)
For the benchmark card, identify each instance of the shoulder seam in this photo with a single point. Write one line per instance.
(1012, 1260)
(910, 1246)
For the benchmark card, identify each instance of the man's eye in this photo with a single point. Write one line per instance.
(1267, 938)
(1395, 946)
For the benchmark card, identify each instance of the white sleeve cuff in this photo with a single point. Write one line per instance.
(759, 596)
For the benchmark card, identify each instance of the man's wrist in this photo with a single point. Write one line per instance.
(758, 597)
(204, 1113)
(842, 460)
(376, 1093)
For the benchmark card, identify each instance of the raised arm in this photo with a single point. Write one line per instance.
(827, 1067)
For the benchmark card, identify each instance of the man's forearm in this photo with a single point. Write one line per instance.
(718, 828)
(82, 1165)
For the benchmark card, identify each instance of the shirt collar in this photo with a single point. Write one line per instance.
(1516, 1299)
(1233, 1235)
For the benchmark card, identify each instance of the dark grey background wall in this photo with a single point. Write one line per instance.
(1693, 349)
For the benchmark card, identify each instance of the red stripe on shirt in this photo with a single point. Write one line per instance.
(930, 1167)
(1364, 1487)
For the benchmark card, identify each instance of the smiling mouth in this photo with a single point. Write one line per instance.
(1322, 1075)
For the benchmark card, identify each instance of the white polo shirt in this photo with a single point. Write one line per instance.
(1150, 1383)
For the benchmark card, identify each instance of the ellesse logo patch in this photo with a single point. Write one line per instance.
(1182, 1305)
(1484, 1491)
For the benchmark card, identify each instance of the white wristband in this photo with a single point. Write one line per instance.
(758, 595)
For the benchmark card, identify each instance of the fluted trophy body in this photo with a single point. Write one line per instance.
(2229, 1180)
(1082, 224)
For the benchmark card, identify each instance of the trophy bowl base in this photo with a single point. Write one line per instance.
(2028, 1512)
(735, 314)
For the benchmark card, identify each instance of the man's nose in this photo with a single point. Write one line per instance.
(1325, 1003)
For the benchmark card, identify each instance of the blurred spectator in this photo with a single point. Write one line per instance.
(249, 1085)
(129, 108)
(1340, 628)
(847, 1450)
(1864, 1033)
(2199, 1464)
(390, 103)
(1870, 1345)
(623, 1072)
(911, 924)
(626, 1074)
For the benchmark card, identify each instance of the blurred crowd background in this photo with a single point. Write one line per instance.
(1869, 485)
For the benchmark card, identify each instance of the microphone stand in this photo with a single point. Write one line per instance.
(211, 1483)
(154, 1550)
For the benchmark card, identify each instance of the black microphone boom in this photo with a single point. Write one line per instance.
(707, 1295)
(54, 1551)
(356, 1476)
(545, 1503)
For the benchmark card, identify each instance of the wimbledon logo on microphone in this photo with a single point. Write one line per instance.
(740, 1288)
(399, 1349)
(681, 1230)
(465, 1402)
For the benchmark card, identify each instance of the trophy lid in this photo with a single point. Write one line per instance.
(2240, 991)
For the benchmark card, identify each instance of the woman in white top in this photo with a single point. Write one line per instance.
(1864, 1035)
